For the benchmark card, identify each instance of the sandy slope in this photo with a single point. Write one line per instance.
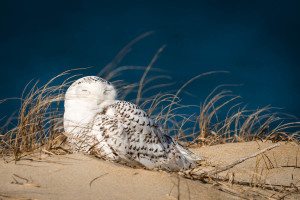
(79, 176)
(70, 177)
(276, 167)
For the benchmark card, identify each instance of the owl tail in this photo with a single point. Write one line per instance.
(188, 154)
(183, 159)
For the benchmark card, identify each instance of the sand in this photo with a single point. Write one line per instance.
(79, 176)
(279, 166)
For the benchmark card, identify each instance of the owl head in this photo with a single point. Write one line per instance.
(90, 92)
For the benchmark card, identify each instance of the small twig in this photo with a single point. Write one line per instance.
(25, 179)
(178, 187)
(48, 152)
(97, 178)
(14, 197)
(65, 150)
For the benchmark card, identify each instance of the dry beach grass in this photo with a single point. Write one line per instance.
(38, 142)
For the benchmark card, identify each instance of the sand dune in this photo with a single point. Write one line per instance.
(79, 176)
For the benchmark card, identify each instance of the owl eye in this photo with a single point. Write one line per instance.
(106, 91)
(85, 92)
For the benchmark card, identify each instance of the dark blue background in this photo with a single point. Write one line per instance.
(257, 41)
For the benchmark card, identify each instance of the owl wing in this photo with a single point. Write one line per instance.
(113, 139)
(147, 144)
(136, 119)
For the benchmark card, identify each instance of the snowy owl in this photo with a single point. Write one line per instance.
(118, 130)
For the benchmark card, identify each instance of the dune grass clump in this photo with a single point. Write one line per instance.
(40, 117)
